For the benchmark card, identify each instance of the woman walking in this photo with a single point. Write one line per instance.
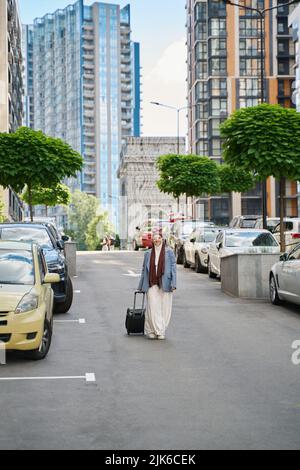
(158, 280)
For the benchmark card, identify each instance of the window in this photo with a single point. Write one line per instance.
(217, 27)
(249, 87)
(283, 67)
(218, 87)
(249, 47)
(201, 51)
(218, 67)
(201, 130)
(216, 148)
(202, 148)
(201, 70)
(282, 26)
(217, 47)
(201, 31)
(283, 46)
(202, 111)
(201, 91)
(214, 127)
(249, 67)
(247, 102)
(218, 107)
(200, 11)
(249, 27)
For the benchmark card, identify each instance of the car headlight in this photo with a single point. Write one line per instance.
(56, 268)
(27, 304)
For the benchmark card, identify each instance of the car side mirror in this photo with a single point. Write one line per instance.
(60, 244)
(65, 238)
(193, 240)
(284, 257)
(219, 245)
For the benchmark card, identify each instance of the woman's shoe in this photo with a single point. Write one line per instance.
(151, 336)
(161, 337)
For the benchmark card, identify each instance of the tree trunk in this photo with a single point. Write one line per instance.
(30, 202)
(282, 201)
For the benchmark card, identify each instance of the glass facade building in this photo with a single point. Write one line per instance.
(86, 91)
(224, 75)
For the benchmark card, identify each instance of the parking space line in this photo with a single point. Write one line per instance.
(81, 321)
(88, 377)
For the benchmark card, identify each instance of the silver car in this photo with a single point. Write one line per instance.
(231, 241)
(285, 278)
(195, 249)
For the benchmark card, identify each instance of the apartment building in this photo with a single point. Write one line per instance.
(86, 89)
(10, 90)
(224, 75)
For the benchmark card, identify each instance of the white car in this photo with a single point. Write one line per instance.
(285, 278)
(291, 228)
(231, 241)
(195, 249)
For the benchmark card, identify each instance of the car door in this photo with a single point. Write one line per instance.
(46, 291)
(189, 247)
(214, 253)
(289, 276)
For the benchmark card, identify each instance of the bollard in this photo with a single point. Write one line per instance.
(70, 254)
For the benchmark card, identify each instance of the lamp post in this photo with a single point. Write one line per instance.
(178, 110)
(262, 14)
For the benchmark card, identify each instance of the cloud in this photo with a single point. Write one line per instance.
(166, 83)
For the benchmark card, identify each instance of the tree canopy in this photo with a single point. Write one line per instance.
(58, 195)
(265, 140)
(235, 179)
(192, 175)
(31, 158)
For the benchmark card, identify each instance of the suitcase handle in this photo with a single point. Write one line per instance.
(135, 294)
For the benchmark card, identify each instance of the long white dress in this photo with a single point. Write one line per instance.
(159, 307)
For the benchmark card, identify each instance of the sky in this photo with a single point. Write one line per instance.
(159, 25)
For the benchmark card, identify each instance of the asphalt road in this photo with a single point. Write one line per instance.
(223, 379)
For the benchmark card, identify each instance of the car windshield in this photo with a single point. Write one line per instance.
(248, 239)
(16, 267)
(248, 223)
(27, 234)
(209, 236)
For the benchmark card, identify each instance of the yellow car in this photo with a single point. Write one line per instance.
(26, 299)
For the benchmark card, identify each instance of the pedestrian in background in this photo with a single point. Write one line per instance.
(158, 281)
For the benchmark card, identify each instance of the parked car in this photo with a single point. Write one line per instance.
(196, 248)
(284, 279)
(272, 223)
(244, 221)
(26, 299)
(180, 232)
(143, 235)
(230, 241)
(53, 251)
(291, 228)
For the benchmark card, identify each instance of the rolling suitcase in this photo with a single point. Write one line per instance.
(135, 318)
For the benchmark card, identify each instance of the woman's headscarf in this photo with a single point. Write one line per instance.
(155, 278)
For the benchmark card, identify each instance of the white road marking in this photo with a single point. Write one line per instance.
(131, 274)
(88, 377)
(80, 320)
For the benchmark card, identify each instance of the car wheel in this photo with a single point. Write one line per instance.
(66, 305)
(42, 351)
(199, 268)
(211, 274)
(185, 263)
(274, 297)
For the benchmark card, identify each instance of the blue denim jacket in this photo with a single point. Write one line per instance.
(169, 279)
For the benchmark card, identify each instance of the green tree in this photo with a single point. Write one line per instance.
(97, 229)
(30, 158)
(191, 175)
(82, 211)
(235, 180)
(264, 140)
(58, 195)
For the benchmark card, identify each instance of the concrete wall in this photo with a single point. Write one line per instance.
(247, 275)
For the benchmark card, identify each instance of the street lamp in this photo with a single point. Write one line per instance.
(262, 13)
(178, 110)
